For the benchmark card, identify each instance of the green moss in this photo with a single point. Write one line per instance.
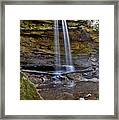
(27, 89)
(36, 25)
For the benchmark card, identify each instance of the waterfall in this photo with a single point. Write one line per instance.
(67, 47)
(57, 46)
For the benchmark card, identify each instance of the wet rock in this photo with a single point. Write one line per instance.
(74, 76)
(87, 75)
(43, 86)
(90, 97)
(35, 80)
(56, 78)
(93, 59)
(91, 80)
(59, 80)
(68, 96)
(76, 95)
(65, 81)
(45, 79)
(71, 84)
(82, 94)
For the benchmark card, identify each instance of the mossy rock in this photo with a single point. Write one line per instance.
(27, 89)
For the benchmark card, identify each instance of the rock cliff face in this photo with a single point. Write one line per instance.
(37, 41)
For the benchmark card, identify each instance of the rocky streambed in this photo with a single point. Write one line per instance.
(81, 84)
(71, 86)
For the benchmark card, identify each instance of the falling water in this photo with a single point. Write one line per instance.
(68, 55)
(57, 45)
(69, 65)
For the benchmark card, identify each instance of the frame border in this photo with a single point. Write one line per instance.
(2, 61)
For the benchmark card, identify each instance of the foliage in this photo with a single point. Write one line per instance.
(27, 89)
